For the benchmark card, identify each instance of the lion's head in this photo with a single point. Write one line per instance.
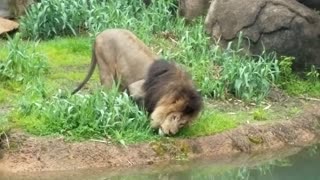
(170, 97)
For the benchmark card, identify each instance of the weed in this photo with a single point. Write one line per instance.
(4, 127)
(285, 66)
(259, 115)
(297, 85)
(21, 65)
(313, 75)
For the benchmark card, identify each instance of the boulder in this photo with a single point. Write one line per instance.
(313, 4)
(190, 9)
(284, 26)
(13, 8)
(4, 8)
(7, 25)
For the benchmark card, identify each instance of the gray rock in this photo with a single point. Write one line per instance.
(284, 26)
(191, 9)
(13, 8)
(4, 8)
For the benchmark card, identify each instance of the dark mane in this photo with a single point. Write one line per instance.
(165, 78)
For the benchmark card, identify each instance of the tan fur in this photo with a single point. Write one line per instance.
(119, 54)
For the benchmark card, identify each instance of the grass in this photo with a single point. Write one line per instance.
(22, 64)
(60, 61)
(102, 114)
(67, 51)
(39, 116)
(210, 123)
(300, 87)
(308, 85)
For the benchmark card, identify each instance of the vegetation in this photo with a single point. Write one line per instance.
(295, 85)
(102, 114)
(20, 65)
(39, 78)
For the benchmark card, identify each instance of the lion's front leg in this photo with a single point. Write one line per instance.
(136, 91)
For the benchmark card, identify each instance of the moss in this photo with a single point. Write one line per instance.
(255, 139)
(178, 149)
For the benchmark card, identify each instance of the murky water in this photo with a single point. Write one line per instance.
(290, 164)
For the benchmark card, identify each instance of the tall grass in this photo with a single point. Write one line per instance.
(55, 17)
(22, 64)
(107, 114)
(48, 19)
(221, 73)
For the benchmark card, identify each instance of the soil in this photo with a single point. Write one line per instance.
(22, 152)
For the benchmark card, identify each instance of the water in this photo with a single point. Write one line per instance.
(289, 164)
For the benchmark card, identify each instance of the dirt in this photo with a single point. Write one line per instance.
(26, 153)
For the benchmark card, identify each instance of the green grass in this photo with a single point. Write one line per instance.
(43, 108)
(307, 85)
(303, 88)
(210, 123)
(72, 51)
(22, 64)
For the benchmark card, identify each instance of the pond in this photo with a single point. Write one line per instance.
(290, 164)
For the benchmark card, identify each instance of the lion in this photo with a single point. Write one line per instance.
(164, 90)
(171, 97)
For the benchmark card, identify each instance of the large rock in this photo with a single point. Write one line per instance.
(13, 8)
(313, 4)
(284, 26)
(7, 25)
(191, 9)
(4, 8)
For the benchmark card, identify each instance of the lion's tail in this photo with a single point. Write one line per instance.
(90, 72)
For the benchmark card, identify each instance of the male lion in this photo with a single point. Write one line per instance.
(165, 90)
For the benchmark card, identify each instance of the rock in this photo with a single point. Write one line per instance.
(313, 4)
(284, 26)
(7, 25)
(13, 8)
(4, 8)
(191, 9)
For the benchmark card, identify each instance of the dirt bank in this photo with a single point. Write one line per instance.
(29, 153)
